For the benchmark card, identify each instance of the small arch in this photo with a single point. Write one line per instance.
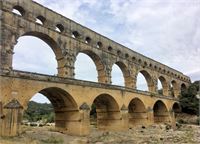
(99, 44)
(76, 34)
(126, 55)
(18, 10)
(40, 20)
(88, 40)
(155, 67)
(119, 52)
(137, 112)
(110, 48)
(164, 88)
(133, 58)
(161, 114)
(60, 28)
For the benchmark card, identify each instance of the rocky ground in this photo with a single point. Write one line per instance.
(156, 134)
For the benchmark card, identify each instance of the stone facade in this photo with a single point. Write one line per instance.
(117, 107)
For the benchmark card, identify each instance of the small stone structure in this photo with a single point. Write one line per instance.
(118, 108)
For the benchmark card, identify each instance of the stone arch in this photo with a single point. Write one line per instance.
(19, 9)
(53, 45)
(164, 85)
(65, 107)
(107, 111)
(98, 63)
(125, 72)
(40, 20)
(183, 88)
(149, 80)
(137, 112)
(160, 112)
(174, 88)
(176, 108)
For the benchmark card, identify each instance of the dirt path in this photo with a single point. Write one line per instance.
(156, 134)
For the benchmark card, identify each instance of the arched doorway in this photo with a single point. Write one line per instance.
(137, 113)
(63, 107)
(161, 114)
(107, 112)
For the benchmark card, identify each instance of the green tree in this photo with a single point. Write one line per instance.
(188, 100)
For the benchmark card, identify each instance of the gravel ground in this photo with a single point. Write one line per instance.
(155, 134)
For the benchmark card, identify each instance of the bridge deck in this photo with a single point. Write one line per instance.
(71, 81)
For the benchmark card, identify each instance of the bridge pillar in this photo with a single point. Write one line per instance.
(150, 116)
(11, 119)
(173, 119)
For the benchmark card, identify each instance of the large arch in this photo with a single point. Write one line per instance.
(125, 72)
(65, 108)
(164, 85)
(98, 63)
(149, 80)
(161, 114)
(53, 45)
(107, 111)
(174, 88)
(137, 112)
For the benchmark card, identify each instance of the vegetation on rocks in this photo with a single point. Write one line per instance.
(39, 112)
(188, 100)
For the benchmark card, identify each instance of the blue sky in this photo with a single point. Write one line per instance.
(167, 31)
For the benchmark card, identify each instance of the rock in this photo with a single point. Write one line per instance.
(143, 127)
(167, 127)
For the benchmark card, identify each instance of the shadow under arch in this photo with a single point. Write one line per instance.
(137, 113)
(52, 44)
(149, 80)
(160, 112)
(107, 112)
(65, 108)
(126, 73)
(183, 89)
(176, 109)
(100, 67)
